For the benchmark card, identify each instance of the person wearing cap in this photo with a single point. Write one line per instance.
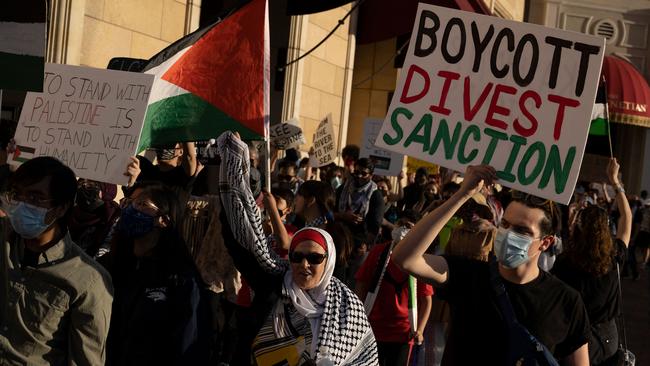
(550, 310)
(304, 315)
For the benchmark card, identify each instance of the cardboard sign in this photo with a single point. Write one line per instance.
(287, 135)
(88, 118)
(324, 144)
(483, 90)
(387, 163)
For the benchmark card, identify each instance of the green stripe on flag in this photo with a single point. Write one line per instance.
(598, 125)
(21, 72)
(167, 122)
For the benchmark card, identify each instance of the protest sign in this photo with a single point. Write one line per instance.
(324, 144)
(483, 90)
(287, 135)
(387, 163)
(88, 118)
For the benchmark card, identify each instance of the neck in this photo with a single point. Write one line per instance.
(311, 214)
(167, 165)
(44, 241)
(521, 275)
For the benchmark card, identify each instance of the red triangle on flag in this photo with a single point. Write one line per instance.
(225, 66)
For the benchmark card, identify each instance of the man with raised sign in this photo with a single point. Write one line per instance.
(549, 309)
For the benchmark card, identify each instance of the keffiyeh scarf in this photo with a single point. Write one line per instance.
(344, 334)
(356, 199)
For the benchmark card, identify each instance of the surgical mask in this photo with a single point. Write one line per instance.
(134, 224)
(399, 233)
(27, 220)
(336, 182)
(511, 248)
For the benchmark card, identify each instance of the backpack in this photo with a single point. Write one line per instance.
(523, 348)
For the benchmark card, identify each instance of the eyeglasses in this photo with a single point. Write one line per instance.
(312, 258)
(141, 205)
(13, 198)
(361, 173)
(88, 185)
(285, 177)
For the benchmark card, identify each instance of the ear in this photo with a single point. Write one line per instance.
(162, 221)
(547, 242)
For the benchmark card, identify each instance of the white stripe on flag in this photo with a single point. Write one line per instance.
(163, 89)
(598, 111)
(23, 38)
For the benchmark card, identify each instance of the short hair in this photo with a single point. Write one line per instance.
(63, 183)
(322, 192)
(422, 171)
(385, 180)
(551, 224)
(644, 194)
(284, 164)
(351, 151)
(366, 163)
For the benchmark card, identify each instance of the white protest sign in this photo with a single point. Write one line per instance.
(324, 144)
(387, 163)
(88, 118)
(483, 90)
(287, 135)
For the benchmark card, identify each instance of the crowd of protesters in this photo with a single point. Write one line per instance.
(196, 262)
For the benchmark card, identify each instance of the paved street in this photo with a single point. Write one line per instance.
(636, 297)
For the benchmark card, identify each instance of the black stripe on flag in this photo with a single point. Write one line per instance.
(26, 149)
(23, 11)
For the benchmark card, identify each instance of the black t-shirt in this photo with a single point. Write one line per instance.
(600, 294)
(552, 311)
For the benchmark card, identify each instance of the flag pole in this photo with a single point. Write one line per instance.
(609, 132)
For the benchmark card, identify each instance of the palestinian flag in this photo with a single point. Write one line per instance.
(23, 153)
(599, 121)
(22, 45)
(212, 80)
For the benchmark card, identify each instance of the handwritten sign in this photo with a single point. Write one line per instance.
(88, 118)
(387, 163)
(484, 90)
(324, 144)
(287, 135)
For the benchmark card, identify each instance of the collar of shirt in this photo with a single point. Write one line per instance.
(51, 255)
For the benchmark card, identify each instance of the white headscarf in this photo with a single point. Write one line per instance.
(311, 303)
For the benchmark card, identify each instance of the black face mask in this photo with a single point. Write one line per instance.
(88, 199)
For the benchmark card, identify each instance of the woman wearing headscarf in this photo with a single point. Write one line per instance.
(93, 216)
(305, 315)
(590, 264)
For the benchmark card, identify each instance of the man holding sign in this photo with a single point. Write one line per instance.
(511, 102)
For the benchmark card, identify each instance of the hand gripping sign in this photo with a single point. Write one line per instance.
(484, 90)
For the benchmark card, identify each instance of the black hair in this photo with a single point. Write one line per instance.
(322, 192)
(644, 194)
(284, 193)
(351, 151)
(365, 163)
(551, 224)
(284, 164)
(450, 187)
(63, 182)
(343, 242)
(422, 171)
(7, 131)
(304, 161)
(411, 215)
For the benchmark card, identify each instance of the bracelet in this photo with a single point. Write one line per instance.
(619, 189)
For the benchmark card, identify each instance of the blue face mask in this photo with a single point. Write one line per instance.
(511, 248)
(134, 224)
(27, 220)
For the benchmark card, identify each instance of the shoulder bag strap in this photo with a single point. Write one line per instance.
(620, 299)
(505, 306)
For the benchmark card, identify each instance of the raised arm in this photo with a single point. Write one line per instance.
(410, 252)
(624, 228)
(241, 211)
(189, 162)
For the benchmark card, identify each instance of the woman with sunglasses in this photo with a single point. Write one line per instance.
(160, 316)
(590, 264)
(305, 315)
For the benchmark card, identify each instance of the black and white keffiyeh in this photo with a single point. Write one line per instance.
(344, 333)
(356, 199)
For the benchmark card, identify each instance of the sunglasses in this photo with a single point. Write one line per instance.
(359, 173)
(312, 258)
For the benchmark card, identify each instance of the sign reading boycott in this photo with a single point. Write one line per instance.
(483, 90)
(387, 163)
(90, 119)
(287, 135)
(324, 144)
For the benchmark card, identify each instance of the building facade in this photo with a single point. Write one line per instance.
(625, 24)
